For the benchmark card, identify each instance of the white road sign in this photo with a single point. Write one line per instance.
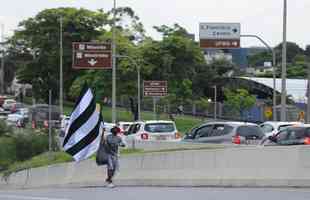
(217, 31)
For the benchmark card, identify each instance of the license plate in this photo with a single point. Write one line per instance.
(251, 141)
(161, 137)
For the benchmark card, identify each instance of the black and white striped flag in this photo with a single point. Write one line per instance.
(85, 127)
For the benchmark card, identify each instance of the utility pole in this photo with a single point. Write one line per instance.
(61, 68)
(274, 99)
(2, 61)
(215, 102)
(283, 95)
(49, 121)
(114, 66)
(308, 93)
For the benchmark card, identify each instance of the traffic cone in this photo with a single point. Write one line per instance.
(45, 123)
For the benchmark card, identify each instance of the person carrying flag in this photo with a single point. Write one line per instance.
(113, 141)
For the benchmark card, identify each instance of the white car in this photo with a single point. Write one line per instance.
(153, 131)
(19, 115)
(8, 104)
(271, 128)
(124, 126)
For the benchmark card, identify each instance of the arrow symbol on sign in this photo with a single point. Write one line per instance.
(235, 30)
(92, 62)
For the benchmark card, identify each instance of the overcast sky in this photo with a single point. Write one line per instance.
(261, 17)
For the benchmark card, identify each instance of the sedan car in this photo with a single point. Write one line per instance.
(153, 131)
(297, 135)
(225, 133)
(272, 128)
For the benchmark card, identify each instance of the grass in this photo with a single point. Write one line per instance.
(38, 161)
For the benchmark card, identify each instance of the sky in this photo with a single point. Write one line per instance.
(260, 17)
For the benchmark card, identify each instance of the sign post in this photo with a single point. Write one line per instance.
(155, 89)
(91, 55)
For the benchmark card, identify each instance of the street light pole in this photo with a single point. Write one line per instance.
(113, 66)
(139, 93)
(283, 91)
(61, 67)
(215, 102)
(274, 64)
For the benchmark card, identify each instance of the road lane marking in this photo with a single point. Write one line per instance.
(29, 197)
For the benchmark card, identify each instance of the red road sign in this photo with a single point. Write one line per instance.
(155, 88)
(221, 44)
(89, 55)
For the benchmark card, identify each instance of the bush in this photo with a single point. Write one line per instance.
(30, 145)
(7, 152)
(21, 147)
(5, 129)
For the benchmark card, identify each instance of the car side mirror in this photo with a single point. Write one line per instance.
(189, 136)
(126, 133)
(272, 138)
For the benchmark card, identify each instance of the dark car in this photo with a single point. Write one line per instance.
(225, 132)
(298, 135)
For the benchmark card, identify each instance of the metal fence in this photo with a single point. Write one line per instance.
(255, 114)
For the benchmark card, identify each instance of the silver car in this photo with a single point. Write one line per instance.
(225, 133)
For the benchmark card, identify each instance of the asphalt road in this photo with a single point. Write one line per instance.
(156, 193)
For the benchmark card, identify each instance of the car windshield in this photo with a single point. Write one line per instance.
(159, 127)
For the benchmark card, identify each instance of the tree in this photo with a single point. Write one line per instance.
(307, 51)
(239, 100)
(259, 58)
(292, 51)
(39, 37)
(177, 59)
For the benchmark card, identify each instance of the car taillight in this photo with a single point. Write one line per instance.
(177, 135)
(236, 139)
(307, 141)
(144, 136)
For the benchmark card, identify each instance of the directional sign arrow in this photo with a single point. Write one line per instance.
(92, 62)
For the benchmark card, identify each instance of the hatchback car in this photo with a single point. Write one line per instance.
(297, 135)
(270, 128)
(153, 131)
(225, 133)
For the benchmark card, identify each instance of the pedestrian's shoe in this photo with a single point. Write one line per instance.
(106, 183)
(110, 185)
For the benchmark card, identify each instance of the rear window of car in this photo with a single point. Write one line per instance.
(159, 127)
(247, 131)
(134, 128)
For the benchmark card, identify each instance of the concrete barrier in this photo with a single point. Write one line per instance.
(235, 167)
